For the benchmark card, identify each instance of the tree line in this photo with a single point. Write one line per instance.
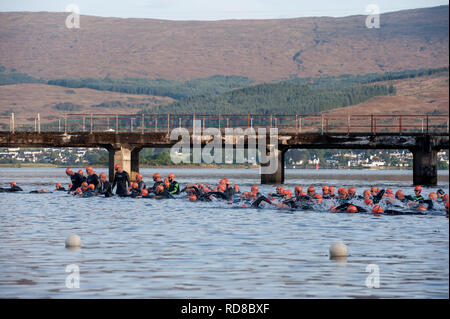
(279, 98)
(160, 87)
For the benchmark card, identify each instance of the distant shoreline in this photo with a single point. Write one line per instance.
(48, 165)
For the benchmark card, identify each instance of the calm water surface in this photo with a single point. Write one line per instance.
(146, 248)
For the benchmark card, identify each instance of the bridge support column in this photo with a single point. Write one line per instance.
(274, 169)
(425, 167)
(127, 158)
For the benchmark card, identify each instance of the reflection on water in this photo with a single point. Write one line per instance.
(174, 248)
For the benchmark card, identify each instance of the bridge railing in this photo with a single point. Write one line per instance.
(144, 123)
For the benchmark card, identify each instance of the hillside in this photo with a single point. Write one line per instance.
(424, 95)
(26, 100)
(40, 45)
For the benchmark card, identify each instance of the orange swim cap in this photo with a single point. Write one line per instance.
(102, 174)
(144, 192)
(13, 183)
(116, 167)
(421, 208)
(58, 185)
(352, 190)
(171, 176)
(69, 171)
(368, 201)
(418, 188)
(287, 193)
(156, 175)
(255, 188)
(84, 184)
(91, 186)
(311, 189)
(433, 196)
(319, 198)
(160, 188)
(331, 189)
(88, 169)
(377, 209)
(80, 172)
(352, 209)
(193, 198)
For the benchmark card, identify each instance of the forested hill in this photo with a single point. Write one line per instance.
(220, 84)
(281, 98)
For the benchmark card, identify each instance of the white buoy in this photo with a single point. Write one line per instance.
(73, 241)
(338, 250)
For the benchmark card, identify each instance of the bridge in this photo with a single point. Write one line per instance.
(125, 135)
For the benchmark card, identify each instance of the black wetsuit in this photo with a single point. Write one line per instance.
(135, 192)
(164, 194)
(141, 185)
(105, 189)
(122, 180)
(13, 189)
(229, 192)
(218, 195)
(153, 188)
(398, 212)
(376, 199)
(174, 188)
(343, 208)
(415, 198)
(76, 180)
(93, 179)
(260, 199)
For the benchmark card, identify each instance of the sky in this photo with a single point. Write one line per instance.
(217, 9)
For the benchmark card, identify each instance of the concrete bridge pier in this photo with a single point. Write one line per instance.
(425, 167)
(127, 157)
(272, 172)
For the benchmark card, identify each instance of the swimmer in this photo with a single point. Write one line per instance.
(60, 188)
(174, 187)
(121, 180)
(75, 178)
(105, 186)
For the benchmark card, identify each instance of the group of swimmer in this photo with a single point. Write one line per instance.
(374, 200)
